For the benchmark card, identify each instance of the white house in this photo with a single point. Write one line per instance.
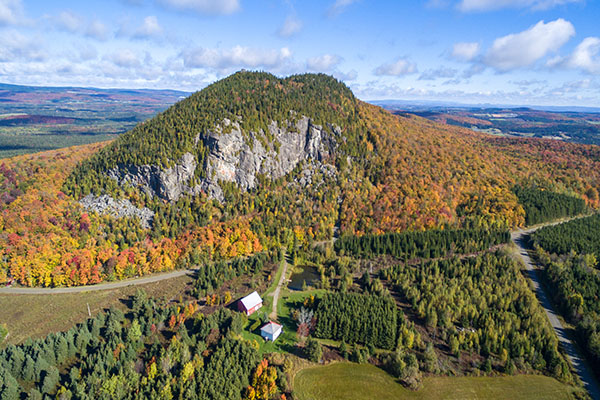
(271, 331)
(250, 303)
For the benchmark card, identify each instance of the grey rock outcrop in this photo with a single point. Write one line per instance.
(236, 157)
(118, 208)
(168, 184)
(310, 171)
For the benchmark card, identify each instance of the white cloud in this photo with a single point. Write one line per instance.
(87, 52)
(473, 70)
(204, 6)
(346, 76)
(236, 57)
(97, 30)
(124, 58)
(15, 46)
(442, 72)
(69, 21)
(522, 49)
(323, 63)
(488, 5)
(529, 82)
(290, 27)
(149, 28)
(586, 56)
(339, 6)
(401, 67)
(465, 51)
(10, 12)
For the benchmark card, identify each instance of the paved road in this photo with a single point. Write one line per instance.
(585, 373)
(273, 315)
(102, 286)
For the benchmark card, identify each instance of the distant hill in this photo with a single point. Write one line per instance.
(36, 118)
(571, 124)
(14, 93)
(393, 104)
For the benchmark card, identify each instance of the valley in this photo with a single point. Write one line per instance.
(34, 119)
(570, 125)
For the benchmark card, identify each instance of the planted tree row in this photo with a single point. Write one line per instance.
(428, 244)
(543, 205)
(581, 235)
(357, 318)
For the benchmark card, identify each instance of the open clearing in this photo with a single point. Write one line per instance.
(364, 381)
(36, 315)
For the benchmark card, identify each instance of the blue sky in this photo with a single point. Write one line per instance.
(530, 52)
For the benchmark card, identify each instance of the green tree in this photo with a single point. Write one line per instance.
(313, 350)
(430, 359)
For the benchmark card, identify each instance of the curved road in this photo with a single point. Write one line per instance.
(101, 286)
(581, 368)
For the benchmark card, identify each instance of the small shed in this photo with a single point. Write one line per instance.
(271, 331)
(250, 303)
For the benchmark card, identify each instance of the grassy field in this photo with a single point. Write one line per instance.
(37, 315)
(364, 381)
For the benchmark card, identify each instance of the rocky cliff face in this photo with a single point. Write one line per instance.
(119, 208)
(234, 157)
(169, 184)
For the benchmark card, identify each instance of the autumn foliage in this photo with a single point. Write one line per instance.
(394, 174)
(47, 239)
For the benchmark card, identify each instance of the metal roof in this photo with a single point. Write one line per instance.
(252, 300)
(271, 327)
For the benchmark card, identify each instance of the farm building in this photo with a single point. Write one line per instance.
(271, 331)
(250, 303)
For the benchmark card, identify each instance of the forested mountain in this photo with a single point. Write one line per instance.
(255, 162)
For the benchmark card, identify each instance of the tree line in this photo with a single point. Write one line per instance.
(575, 287)
(429, 244)
(211, 277)
(544, 205)
(581, 236)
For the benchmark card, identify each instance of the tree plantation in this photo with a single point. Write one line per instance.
(356, 318)
(428, 244)
(580, 235)
(482, 305)
(543, 205)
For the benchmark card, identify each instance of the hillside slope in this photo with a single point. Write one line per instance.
(255, 161)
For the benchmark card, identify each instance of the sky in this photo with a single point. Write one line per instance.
(521, 52)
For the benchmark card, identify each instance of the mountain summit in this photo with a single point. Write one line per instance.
(256, 143)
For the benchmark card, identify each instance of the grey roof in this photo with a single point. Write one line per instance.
(270, 328)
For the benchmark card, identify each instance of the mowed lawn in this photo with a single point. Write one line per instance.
(350, 381)
(35, 316)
